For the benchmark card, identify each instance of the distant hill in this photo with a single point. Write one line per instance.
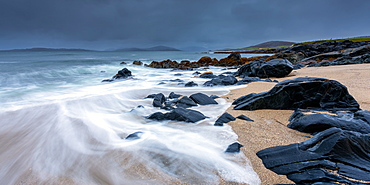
(48, 49)
(272, 44)
(156, 48)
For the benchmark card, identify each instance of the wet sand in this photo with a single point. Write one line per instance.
(270, 126)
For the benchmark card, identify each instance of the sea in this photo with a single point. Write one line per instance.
(60, 124)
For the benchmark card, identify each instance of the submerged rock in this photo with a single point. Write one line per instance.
(179, 114)
(134, 136)
(312, 123)
(221, 80)
(265, 69)
(191, 84)
(334, 155)
(302, 92)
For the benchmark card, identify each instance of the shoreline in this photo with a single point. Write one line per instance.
(270, 126)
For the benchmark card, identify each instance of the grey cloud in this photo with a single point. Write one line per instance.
(217, 23)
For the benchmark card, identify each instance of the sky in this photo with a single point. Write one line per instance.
(211, 24)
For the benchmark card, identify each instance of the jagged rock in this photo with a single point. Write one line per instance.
(174, 95)
(312, 123)
(333, 155)
(243, 117)
(302, 92)
(233, 148)
(124, 73)
(179, 114)
(122, 63)
(186, 102)
(134, 136)
(202, 99)
(221, 80)
(139, 63)
(191, 84)
(158, 100)
(265, 69)
(234, 56)
(224, 118)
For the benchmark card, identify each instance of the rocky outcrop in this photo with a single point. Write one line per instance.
(333, 156)
(302, 92)
(308, 122)
(265, 69)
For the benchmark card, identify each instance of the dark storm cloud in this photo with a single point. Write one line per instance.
(212, 23)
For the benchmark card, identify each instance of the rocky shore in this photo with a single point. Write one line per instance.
(308, 128)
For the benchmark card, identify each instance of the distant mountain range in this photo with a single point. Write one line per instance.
(156, 48)
(48, 49)
(271, 44)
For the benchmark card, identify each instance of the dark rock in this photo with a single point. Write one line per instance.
(234, 56)
(202, 99)
(107, 80)
(159, 116)
(123, 63)
(179, 114)
(221, 80)
(234, 148)
(177, 74)
(224, 118)
(263, 69)
(333, 155)
(159, 99)
(302, 92)
(151, 96)
(186, 102)
(176, 80)
(124, 73)
(174, 95)
(197, 73)
(207, 75)
(243, 117)
(134, 136)
(312, 123)
(139, 63)
(214, 96)
(191, 84)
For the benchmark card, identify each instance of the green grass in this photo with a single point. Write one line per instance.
(367, 39)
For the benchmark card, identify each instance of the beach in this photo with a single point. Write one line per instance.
(270, 129)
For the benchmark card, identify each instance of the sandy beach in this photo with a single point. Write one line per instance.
(270, 126)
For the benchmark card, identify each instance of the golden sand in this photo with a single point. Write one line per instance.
(270, 126)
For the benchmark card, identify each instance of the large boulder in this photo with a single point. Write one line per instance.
(302, 92)
(202, 99)
(265, 69)
(179, 114)
(308, 122)
(333, 156)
